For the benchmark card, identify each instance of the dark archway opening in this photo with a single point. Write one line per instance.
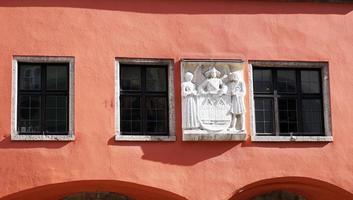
(279, 195)
(96, 196)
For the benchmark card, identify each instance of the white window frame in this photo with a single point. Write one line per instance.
(326, 101)
(41, 59)
(171, 101)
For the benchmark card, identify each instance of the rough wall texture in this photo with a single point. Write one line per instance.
(96, 32)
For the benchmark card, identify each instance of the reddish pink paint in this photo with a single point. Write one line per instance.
(96, 32)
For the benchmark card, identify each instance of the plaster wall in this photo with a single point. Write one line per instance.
(96, 32)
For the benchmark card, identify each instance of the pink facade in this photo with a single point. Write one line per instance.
(96, 33)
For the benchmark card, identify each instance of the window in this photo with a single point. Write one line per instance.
(43, 101)
(290, 101)
(144, 100)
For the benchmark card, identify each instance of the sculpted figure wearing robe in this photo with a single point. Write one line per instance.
(189, 93)
(213, 84)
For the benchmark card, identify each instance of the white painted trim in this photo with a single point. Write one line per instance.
(326, 102)
(42, 59)
(171, 99)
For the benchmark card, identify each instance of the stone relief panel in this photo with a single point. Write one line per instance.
(213, 100)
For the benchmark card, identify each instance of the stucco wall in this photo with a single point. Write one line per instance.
(95, 32)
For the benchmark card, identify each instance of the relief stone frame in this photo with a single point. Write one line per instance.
(212, 96)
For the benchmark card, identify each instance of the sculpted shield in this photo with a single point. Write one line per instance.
(214, 112)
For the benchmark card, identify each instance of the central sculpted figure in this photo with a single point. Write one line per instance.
(213, 84)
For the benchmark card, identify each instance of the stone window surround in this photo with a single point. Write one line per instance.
(326, 101)
(42, 59)
(171, 101)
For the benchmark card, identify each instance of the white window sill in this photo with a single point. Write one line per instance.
(291, 138)
(16, 137)
(145, 138)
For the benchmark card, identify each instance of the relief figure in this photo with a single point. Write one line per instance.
(189, 93)
(237, 92)
(213, 83)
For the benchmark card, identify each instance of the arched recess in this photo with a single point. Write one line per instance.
(61, 191)
(310, 189)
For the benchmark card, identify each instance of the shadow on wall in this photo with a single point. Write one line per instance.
(309, 188)
(193, 7)
(179, 153)
(62, 190)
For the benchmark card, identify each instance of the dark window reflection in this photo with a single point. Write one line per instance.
(130, 78)
(264, 115)
(312, 116)
(130, 114)
(156, 79)
(30, 77)
(156, 111)
(57, 77)
(286, 81)
(263, 80)
(310, 81)
(287, 109)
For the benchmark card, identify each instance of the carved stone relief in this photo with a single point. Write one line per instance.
(212, 99)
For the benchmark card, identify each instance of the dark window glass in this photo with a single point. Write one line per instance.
(57, 77)
(156, 79)
(310, 81)
(30, 77)
(295, 105)
(43, 99)
(263, 80)
(130, 78)
(287, 109)
(286, 81)
(143, 100)
(312, 116)
(131, 120)
(156, 114)
(264, 115)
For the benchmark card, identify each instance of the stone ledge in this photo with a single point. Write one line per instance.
(291, 138)
(145, 138)
(16, 137)
(214, 136)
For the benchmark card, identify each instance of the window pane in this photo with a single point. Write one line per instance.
(30, 77)
(130, 78)
(263, 80)
(288, 119)
(310, 81)
(57, 77)
(156, 79)
(286, 81)
(264, 115)
(130, 115)
(29, 113)
(56, 114)
(156, 115)
(312, 116)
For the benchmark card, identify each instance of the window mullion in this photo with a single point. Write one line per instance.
(275, 102)
(43, 99)
(299, 102)
(143, 101)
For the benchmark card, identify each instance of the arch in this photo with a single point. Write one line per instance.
(310, 189)
(66, 189)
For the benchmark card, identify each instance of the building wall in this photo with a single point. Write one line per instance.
(95, 33)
